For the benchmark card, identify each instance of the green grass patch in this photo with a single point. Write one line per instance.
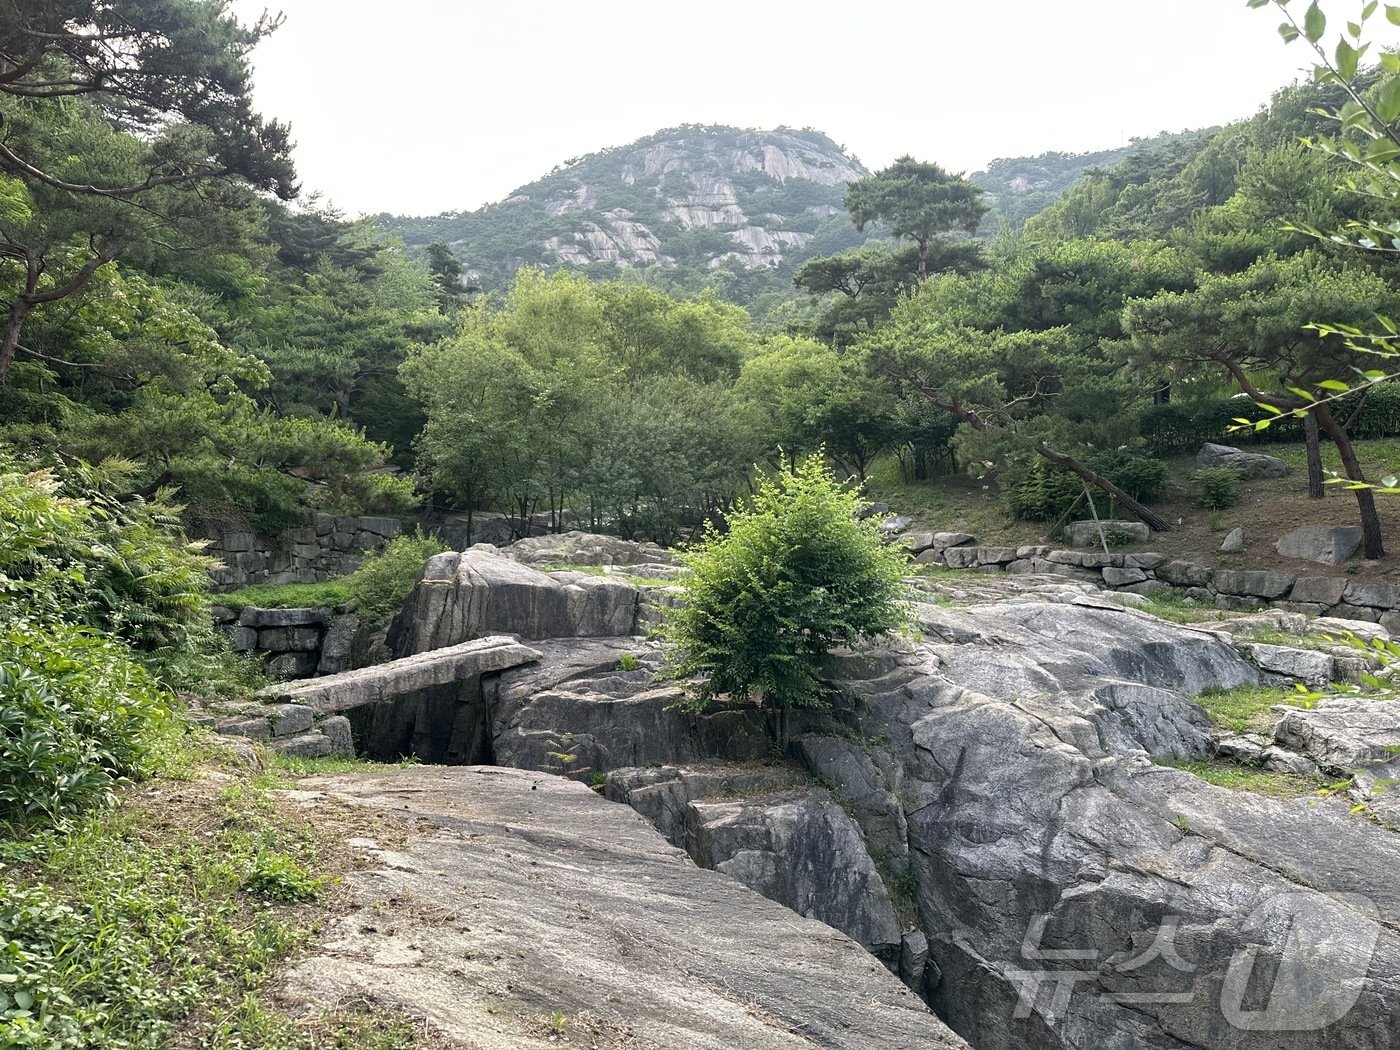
(332, 765)
(287, 595)
(611, 573)
(1248, 708)
(1242, 778)
(157, 924)
(1179, 610)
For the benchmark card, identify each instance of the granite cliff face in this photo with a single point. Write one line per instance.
(693, 200)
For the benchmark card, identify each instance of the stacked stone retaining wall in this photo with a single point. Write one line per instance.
(330, 547)
(1150, 573)
(298, 643)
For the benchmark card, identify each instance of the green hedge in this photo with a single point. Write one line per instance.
(1176, 429)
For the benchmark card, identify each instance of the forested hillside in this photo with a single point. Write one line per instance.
(1019, 188)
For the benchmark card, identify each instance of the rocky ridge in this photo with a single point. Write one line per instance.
(992, 819)
(693, 200)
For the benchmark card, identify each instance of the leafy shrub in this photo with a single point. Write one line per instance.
(796, 574)
(385, 578)
(1217, 486)
(77, 714)
(1046, 492)
(70, 552)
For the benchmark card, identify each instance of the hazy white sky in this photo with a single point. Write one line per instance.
(423, 106)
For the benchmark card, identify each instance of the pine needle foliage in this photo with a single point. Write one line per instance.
(796, 574)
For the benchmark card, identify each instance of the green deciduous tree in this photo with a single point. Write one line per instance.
(796, 574)
(603, 400)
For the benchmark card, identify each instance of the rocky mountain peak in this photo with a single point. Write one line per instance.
(694, 199)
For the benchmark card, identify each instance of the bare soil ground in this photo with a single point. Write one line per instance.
(1267, 509)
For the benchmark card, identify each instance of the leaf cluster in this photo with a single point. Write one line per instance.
(795, 574)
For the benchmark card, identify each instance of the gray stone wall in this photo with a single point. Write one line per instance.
(1149, 573)
(298, 643)
(331, 546)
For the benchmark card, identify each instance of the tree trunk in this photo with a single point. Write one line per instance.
(19, 309)
(1310, 432)
(1063, 459)
(1102, 483)
(1371, 544)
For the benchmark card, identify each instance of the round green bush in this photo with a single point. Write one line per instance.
(796, 574)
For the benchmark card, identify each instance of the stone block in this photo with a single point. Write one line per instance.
(336, 730)
(1325, 544)
(944, 540)
(253, 616)
(1248, 464)
(1021, 567)
(1065, 557)
(242, 639)
(292, 665)
(1254, 583)
(1277, 760)
(1035, 551)
(1233, 541)
(1376, 595)
(290, 719)
(1144, 560)
(1183, 573)
(931, 556)
(1306, 665)
(222, 614)
(995, 555)
(302, 535)
(289, 639)
(342, 541)
(1100, 560)
(1324, 590)
(384, 528)
(238, 541)
(336, 645)
(324, 524)
(1115, 577)
(961, 557)
(918, 542)
(1354, 612)
(252, 728)
(306, 745)
(367, 541)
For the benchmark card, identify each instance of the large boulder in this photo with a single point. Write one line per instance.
(1325, 544)
(1074, 893)
(588, 548)
(803, 851)
(465, 595)
(491, 901)
(598, 701)
(1247, 464)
